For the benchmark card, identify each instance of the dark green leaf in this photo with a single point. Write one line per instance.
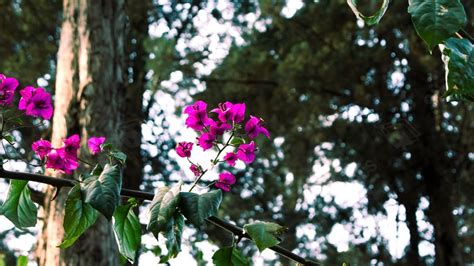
(197, 208)
(237, 141)
(120, 156)
(18, 206)
(9, 138)
(162, 209)
(173, 236)
(229, 256)
(79, 216)
(436, 20)
(264, 234)
(370, 20)
(127, 230)
(459, 60)
(103, 191)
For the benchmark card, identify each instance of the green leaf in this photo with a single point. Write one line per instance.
(237, 141)
(162, 209)
(79, 216)
(9, 138)
(459, 61)
(436, 20)
(197, 208)
(22, 261)
(18, 207)
(103, 191)
(173, 237)
(264, 234)
(127, 230)
(229, 256)
(120, 156)
(369, 20)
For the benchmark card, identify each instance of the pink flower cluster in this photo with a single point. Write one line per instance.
(230, 116)
(36, 102)
(64, 159)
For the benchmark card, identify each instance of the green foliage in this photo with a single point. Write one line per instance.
(173, 236)
(264, 234)
(18, 207)
(78, 217)
(162, 209)
(119, 156)
(459, 63)
(103, 191)
(237, 141)
(229, 256)
(127, 230)
(370, 20)
(198, 207)
(22, 261)
(437, 20)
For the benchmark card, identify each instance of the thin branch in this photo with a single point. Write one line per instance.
(223, 224)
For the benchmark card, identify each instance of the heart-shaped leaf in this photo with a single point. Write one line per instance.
(18, 207)
(264, 234)
(229, 256)
(436, 20)
(459, 61)
(369, 20)
(163, 208)
(197, 208)
(173, 237)
(79, 216)
(103, 191)
(127, 230)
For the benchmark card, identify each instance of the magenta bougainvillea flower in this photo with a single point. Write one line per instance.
(183, 149)
(225, 180)
(71, 145)
(7, 89)
(41, 148)
(229, 112)
(246, 152)
(230, 158)
(206, 140)
(36, 102)
(195, 169)
(197, 116)
(59, 160)
(219, 127)
(94, 144)
(254, 127)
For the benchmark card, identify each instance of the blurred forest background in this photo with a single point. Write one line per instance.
(368, 164)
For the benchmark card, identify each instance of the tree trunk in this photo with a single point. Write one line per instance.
(88, 100)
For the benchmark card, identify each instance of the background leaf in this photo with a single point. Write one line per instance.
(18, 207)
(436, 20)
(229, 256)
(196, 208)
(459, 62)
(79, 216)
(103, 191)
(264, 234)
(127, 230)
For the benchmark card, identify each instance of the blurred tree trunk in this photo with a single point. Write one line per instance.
(88, 101)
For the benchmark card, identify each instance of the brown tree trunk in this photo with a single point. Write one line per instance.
(88, 101)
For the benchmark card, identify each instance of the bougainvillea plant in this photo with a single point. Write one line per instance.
(225, 131)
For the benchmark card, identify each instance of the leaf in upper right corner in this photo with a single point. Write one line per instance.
(369, 20)
(18, 207)
(229, 256)
(437, 20)
(264, 234)
(458, 56)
